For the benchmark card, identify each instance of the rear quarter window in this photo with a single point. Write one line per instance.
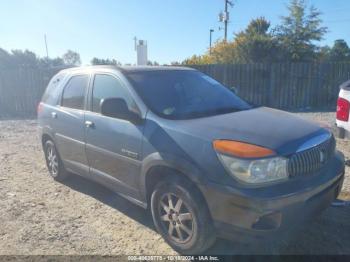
(52, 91)
(74, 92)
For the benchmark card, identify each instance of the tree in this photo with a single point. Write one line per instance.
(101, 61)
(256, 43)
(5, 59)
(222, 52)
(193, 60)
(323, 54)
(299, 31)
(24, 58)
(175, 63)
(52, 62)
(154, 63)
(72, 58)
(340, 52)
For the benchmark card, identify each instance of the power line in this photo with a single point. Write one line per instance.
(337, 21)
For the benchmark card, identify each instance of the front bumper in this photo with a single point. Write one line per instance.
(273, 211)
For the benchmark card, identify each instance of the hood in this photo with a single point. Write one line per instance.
(280, 131)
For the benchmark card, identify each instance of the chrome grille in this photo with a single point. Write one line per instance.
(311, 160)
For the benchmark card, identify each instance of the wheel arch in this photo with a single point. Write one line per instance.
(45, 137)
(158, 167)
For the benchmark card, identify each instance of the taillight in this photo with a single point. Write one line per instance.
(343, 107)
(39, 108)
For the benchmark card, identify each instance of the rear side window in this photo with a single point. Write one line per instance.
(74, 92)
(52, 92)
(106, 86)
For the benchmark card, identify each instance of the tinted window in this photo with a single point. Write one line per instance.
(181, 94)
(74, 92)
(53, 91)
(106, 86)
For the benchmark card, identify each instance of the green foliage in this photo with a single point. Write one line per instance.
(150, 63)
(19, 58)
(256, 44)
(26, 58)
(340, 52)
(323, 54)
(100, 61)
(221, 53)
(72, 58)
(292, 41)
(299, 31)
(52, 62)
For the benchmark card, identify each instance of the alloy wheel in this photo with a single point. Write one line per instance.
(176, 218)
(52, 160)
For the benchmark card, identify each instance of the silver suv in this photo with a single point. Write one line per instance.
(204, 161)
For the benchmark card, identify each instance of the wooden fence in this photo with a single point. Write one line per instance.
(21, 90)
(292, 86)
(297, 86)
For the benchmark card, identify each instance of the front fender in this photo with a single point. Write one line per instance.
(174, 162)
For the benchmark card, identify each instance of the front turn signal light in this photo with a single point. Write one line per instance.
(241, 150)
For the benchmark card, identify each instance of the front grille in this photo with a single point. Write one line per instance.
(311, 160)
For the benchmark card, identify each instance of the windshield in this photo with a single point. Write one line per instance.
(184, 94)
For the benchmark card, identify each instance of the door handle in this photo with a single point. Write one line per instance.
(54, 115)
(89, 124)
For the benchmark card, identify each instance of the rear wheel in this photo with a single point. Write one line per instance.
(53, 162)
(181, 217)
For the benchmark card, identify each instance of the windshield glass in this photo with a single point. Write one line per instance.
(184, 94)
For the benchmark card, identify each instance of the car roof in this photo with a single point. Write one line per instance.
(125, 68)
(152, 68)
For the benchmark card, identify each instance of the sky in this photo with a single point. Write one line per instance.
(174, 29)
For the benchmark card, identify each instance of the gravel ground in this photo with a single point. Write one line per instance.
(40, 216)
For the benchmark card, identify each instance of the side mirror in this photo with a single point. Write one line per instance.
(117, 108)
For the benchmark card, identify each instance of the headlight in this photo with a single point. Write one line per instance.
(256, 171)
(251, 164)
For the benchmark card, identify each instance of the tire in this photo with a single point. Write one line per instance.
(340, 132)
(186, 223)
(54, 162)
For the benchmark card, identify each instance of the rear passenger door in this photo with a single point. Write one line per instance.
(68, 122)
(113, 146)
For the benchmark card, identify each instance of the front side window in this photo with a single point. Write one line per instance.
(107, 86)
(184, 94)
(74, 92)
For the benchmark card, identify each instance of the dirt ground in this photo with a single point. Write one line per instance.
(40, 216)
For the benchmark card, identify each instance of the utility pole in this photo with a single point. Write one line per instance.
(47, 51)
(225, 16)
(226, 19)
(210, 33)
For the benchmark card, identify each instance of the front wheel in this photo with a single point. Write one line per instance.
(181, 217)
